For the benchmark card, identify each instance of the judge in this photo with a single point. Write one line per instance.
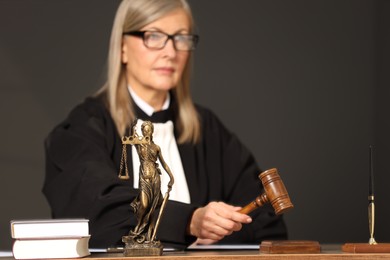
(148, 76)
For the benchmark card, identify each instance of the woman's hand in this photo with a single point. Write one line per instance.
(215, 221)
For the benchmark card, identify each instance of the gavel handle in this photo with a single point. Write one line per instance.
(259, 201)
(248, 208)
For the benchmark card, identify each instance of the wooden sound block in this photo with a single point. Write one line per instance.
(290, 247)
(366, 248)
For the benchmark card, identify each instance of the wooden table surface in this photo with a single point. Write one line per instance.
(327, 252)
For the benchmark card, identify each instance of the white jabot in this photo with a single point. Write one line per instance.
(163, 137)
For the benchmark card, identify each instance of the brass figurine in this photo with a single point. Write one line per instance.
(141, 241)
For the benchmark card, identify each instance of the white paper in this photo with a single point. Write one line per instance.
(6, 254)
(224, 247)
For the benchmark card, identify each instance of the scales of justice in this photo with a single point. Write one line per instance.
(141, 240)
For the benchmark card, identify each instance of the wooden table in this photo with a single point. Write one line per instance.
(331, 252)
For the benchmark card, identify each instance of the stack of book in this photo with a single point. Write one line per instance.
(50, 238)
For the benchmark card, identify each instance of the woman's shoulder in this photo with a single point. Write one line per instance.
(91, 113)
(204, 112)
(209, 118)
(90, 107)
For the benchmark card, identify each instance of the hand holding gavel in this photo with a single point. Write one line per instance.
(209, 223)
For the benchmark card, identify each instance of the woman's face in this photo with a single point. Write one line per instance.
(156, 70)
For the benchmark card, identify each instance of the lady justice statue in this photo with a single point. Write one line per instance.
(141, 240)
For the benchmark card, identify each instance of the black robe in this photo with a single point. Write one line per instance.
(82, 164)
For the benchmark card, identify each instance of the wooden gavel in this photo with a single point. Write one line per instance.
(274, 192)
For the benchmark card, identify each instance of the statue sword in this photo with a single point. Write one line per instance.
(160, 214)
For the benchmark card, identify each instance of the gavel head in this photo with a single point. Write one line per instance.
(275, 191)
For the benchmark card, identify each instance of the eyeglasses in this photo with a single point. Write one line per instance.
(157, 40)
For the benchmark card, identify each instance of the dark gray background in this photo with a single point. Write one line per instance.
(304, 83)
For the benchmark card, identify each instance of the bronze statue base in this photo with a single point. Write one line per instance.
(146, 248)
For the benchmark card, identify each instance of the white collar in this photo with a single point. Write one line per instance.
(148, 109)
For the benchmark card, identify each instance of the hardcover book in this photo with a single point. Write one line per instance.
(50, 238)
(51, 248)
(49, 228)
